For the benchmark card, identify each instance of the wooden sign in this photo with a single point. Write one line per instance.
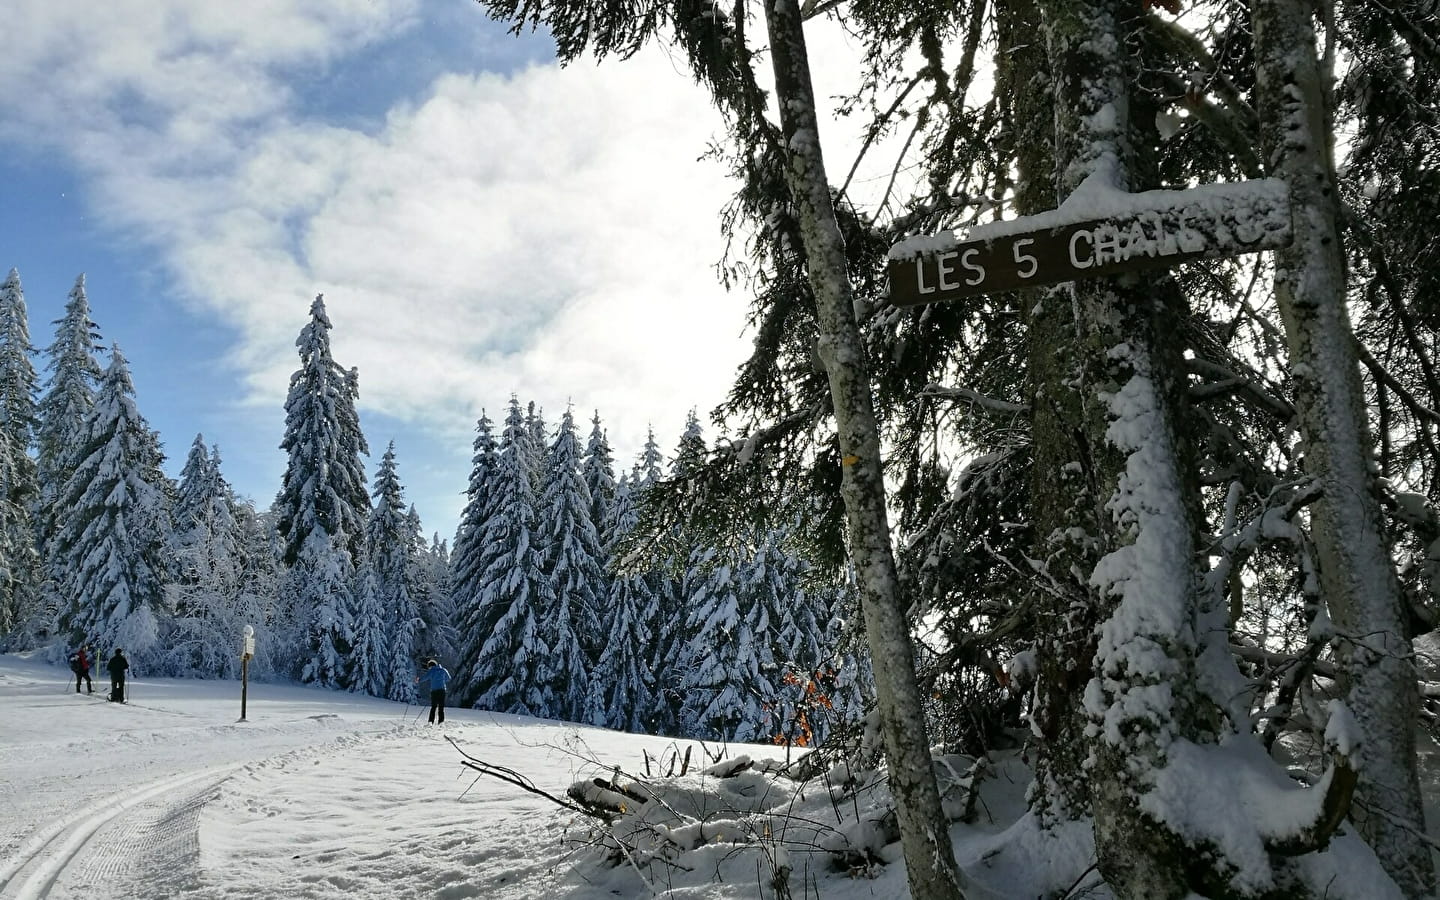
(1195, 224)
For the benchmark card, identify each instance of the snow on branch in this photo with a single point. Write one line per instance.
(975, 398)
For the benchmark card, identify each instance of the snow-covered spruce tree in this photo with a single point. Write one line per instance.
(535, 446)
(572, 565)
(206, 589)
(322, 502)
(369, 660)
(621, 684)
(391, 549)
(62, 411)
(434, 598)
(846, 672)
(319, 584)
(260, 582)
(473, 621)
(508, 668)
(725, 693)
(203, 511)
(21, 615)
(791, 655)
(110, 549)
(1358, 582)
(324, 483)
(599, 469)
(680, 571)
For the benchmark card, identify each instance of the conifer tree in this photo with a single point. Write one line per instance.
(682, 576)
(391, 538)
(111, 546)
(203, 509)
(539, 439)
(324, 482)
(322, 503)
(724, 691)
(21, 576)
(319, 586)
(207, 591)
(599, 468)
(503, 669)
(370, 657)
(438, 635)
(63, 410)
(472, 621)
(621, 685)
(571, 552)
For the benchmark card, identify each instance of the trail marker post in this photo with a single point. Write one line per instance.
(1100, 231)
(247, 651)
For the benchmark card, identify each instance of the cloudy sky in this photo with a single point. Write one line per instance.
(481, 221)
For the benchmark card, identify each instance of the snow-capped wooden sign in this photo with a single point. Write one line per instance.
(1099, 230)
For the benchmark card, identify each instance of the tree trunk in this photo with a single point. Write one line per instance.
(1357, 577)
(929, 856)
(1143, 696)
(1061, 495)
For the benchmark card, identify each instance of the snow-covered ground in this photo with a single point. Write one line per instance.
(324, 794)
(319, 794)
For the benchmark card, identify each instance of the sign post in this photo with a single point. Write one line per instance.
(1105, 233)
(247, 651)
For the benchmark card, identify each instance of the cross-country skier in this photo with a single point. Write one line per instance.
(80, 662)
(117, 666)
(436, 676)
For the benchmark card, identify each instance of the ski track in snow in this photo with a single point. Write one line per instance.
(156, 823)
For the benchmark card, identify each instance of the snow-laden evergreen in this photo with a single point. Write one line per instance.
(676, 580)
(21, 575)
(369, 659)
(724, 692)
(209, 594)
(111, 544)
(507, 674)
(473, 620)
(535, 446)
(391, 539)
(324, 483)
(203, 508)
(571, 553)
(64, 408)
(438, 637)
(318, 587)
(622, 685)
(322, 504)
(599, 469)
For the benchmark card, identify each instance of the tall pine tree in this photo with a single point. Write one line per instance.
(571, 551)
(322, 503)
(621, 685)
(20, 571)
(503, 670)
(111, 546)
(62, 411)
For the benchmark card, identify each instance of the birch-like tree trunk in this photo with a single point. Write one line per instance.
(1357, 577)
(924, 834)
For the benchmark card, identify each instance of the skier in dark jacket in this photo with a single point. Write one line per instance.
(117, 666)
(80, 662)
(435, 676)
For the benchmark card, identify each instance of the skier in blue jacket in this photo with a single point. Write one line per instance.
(435, 676)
